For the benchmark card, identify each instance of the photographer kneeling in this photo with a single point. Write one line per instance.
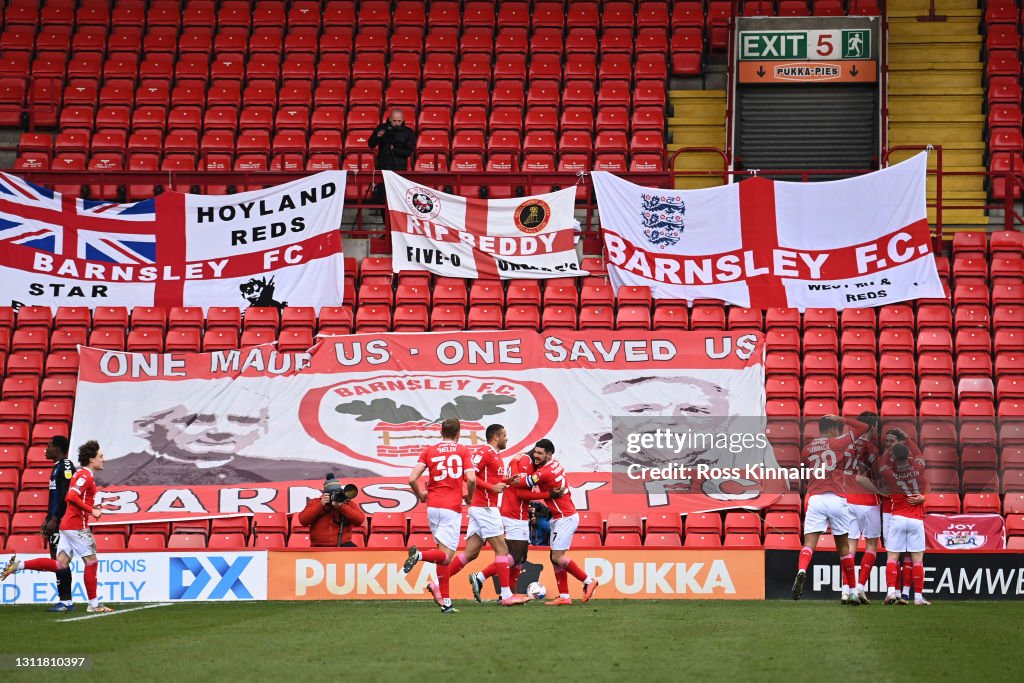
(332, 516)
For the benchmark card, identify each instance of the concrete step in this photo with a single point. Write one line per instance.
(937, 54)
(952, 106)
(953, 154)
(913, 89)
(695, 95)
(697, 183)
(927, 117)
(934, 133)
(696, 161)
(700, 136)
(941, 6)
(965, 36)
(702, 109)
(902, 30)
(952, 79)
(684, 120)
(959, 216)
(911, 15)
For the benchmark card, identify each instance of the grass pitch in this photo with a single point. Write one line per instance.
(600, 641)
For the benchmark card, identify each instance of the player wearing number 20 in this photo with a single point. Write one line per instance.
(448, 464)
(549, 476)
(826, 504)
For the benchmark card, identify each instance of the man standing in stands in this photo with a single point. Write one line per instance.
(394, 143)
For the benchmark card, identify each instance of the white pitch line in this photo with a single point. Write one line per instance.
(120, 611)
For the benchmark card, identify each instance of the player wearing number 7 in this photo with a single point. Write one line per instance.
(826, 505)
(549, 476)
(75, 537)
(448, 463)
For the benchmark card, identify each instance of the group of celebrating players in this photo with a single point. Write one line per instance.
(458, 473)
(847, 499)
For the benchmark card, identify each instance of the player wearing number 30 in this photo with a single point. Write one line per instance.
(448, 464)
(826, 505)
(549, 476)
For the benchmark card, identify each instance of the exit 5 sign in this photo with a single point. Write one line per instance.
(830, 44)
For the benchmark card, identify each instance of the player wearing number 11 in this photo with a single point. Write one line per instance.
(448, 463)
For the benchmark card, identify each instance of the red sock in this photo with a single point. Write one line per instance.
(562, 581)
(866, 563)
(500, 568)
(513, 576)
(435, 556)
(892, 574)
(42, 564)
(908, 570)
(456, 565)
(918, 573)
(849, 571)
(805, 559)
(90, 580)
(442, 580)
(574, 569)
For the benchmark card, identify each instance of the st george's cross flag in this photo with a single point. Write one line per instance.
(853, 243)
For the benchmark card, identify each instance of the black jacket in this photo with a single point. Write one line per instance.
(394, 146)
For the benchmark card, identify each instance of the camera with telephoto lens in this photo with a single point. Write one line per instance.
(339, 493)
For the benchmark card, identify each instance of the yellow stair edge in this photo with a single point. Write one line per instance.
(931, 117)
(936, 39)
(913, 14)
(934, 66)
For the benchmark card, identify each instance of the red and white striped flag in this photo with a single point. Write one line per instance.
(520, 238)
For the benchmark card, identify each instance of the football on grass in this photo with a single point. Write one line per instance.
(536, 591)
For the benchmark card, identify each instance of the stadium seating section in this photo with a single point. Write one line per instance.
(952, 373)
(275, 85)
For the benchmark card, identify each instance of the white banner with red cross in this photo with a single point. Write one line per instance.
(521, 238)
(759, 243)
(272, 247)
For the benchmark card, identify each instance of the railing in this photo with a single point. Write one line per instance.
(359, 195)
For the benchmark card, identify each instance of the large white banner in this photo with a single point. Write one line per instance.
(198, 575)
(521, 238)
(215, 432)
(272, 247)
(853, 243)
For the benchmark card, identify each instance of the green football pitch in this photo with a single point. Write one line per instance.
(599, 641)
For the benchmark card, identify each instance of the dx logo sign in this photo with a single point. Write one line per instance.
(190, 577)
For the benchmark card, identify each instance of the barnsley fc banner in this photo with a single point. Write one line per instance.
(965, 532)
(524, 237)
(272, 247)
(255, 430)
(759, 243)
(646, 574)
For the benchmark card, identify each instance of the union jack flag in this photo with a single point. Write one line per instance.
(38, 218)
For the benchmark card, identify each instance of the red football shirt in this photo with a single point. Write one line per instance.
(861, 458)
(80, 497)
(827, 454)
(489, 468)
(550, 477)
(512, 505)
(902, 481)
(447, 463)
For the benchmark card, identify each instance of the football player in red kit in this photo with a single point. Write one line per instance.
(485, 521)
(515, 513)
(903, 484)
(448, 464)
(549, 476)
(826, 506)
(75, 537)
(862, 458)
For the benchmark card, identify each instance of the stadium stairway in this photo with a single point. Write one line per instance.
(698, 120)
(935, 97)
